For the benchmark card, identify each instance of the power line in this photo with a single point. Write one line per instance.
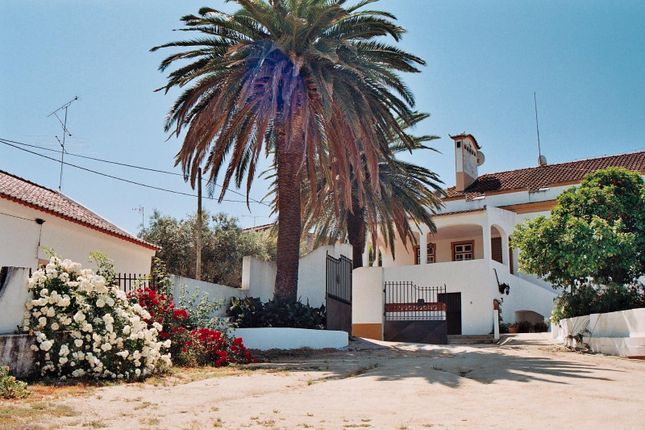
(117, 178)
(118, 163)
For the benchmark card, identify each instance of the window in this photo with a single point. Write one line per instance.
(463, 251)
(431, 254)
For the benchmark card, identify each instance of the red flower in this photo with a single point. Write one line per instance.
(180, 314)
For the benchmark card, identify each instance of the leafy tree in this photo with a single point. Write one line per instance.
(593, 244)
(224, 244)
(407, 195)
(313, 82)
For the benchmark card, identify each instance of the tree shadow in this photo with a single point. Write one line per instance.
(449, 366)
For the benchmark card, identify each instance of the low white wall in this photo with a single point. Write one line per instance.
(13, 297)
(614, 333)
(266, 338)
(258, 277)
(215, 292)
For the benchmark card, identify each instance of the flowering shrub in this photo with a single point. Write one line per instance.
(86, 328)
(212, 347)
(190, 345)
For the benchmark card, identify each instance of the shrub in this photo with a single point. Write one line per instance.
(85, 327)
(191, 344)
(540, 327)
(251, 312)
(10, 387)
(524, 327)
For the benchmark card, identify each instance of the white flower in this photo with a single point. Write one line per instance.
(55, 326)
(42, 321)
(78, 343)
(100, 303)
(79, 317)
(46, 345)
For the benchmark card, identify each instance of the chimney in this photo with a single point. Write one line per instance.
(467, 158)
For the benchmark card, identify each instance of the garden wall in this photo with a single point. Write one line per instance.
(215, 292)
(258, 277)
(15, 352)
(614, 333)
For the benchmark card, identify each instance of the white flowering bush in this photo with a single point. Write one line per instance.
(86, 328)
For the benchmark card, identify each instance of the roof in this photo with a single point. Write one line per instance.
(258, 228)
(534, 178)
(466, 211)
(466, 135)
(37, 197)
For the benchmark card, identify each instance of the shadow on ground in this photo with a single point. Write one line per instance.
(449, 366)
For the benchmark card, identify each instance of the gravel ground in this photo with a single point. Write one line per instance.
(525, 383)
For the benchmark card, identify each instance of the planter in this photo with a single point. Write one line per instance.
(266, 338)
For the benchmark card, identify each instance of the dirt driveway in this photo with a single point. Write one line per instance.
(524, 384)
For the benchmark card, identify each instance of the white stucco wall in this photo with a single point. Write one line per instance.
(258, 277)
(215, 292)
(367, 295)
(615, 333)
(19, 238)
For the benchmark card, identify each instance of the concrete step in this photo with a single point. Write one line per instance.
(470, 340)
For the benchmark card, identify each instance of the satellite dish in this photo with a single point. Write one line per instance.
(480, 158)
(542, 160)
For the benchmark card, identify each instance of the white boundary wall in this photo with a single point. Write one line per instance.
(614, 333)
(265, 338)
(258, 277)
(215, 292)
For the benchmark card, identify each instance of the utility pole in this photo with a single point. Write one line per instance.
(198, 236)
(66, 132)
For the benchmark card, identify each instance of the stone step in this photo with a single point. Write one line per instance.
(469, 340)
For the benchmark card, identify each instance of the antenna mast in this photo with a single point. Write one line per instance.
(541, 158)
(66, 133)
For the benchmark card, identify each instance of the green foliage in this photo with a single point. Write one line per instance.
(251, 312)
(592, 247)
(201, 310)
(10, 387)
(224, 244)
(104, 266)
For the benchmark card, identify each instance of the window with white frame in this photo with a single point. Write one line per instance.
(430, 256)
(463, 251)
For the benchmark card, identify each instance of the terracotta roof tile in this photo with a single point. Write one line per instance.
(53, 202)
(534, 178)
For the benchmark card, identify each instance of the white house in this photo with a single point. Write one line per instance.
(34, 218)
(462, 264)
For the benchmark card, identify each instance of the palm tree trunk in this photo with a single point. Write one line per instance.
(356, 233)
(288, 162)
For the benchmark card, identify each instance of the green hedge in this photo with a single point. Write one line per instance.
(251, 312)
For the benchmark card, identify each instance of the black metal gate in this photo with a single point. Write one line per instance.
(453, 311)
(339, 293)
(414, 314)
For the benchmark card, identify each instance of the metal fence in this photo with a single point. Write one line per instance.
(406, 301)
(129, 282)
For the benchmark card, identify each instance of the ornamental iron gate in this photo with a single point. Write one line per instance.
(414, 314)
(339, 293)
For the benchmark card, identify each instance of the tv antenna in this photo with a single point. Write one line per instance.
(142, 211)
(61, 142)
(541, 158)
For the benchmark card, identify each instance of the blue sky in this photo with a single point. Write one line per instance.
(585, 60)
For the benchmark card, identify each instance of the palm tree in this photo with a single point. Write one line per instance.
(408, 195)
(313, 82)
